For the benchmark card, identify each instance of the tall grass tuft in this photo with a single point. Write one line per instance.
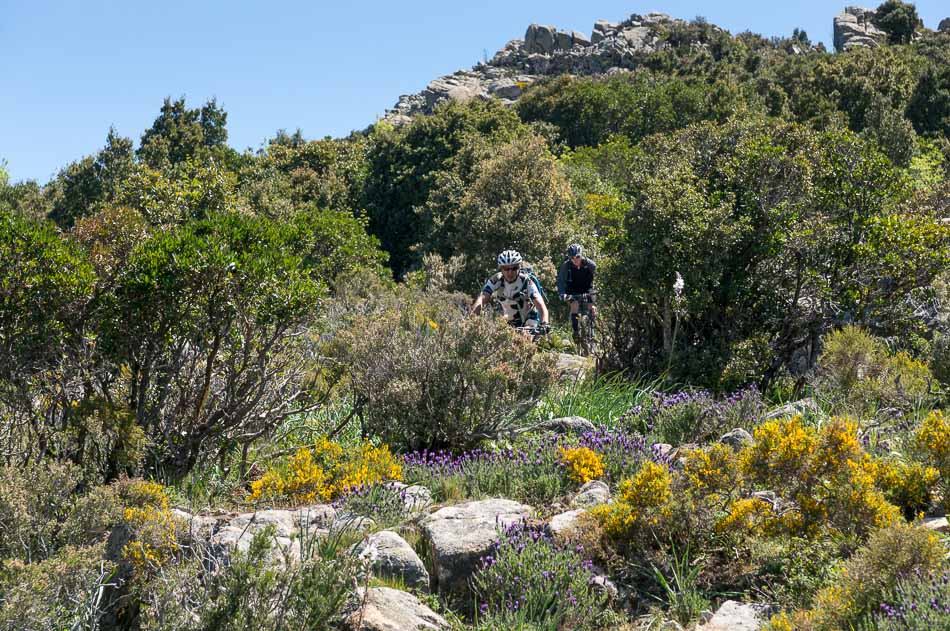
(602, 399)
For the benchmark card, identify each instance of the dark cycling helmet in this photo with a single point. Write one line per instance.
(574, 249)
(509, 257)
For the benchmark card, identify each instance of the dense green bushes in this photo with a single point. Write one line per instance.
(429, 377)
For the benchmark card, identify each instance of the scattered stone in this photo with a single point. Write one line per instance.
(605, 585)
(393, 557)
(663, 450)
(567, 425)
(352, 522)
(563, 523)
(938, 524)
(591, 494)
(734, 616)
(573, 367)
(458, 535)
(415, 498)
(803, 406)
(737, 438)
(387, 609)
(315, 516)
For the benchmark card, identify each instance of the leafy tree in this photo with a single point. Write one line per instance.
(86, 185)
(929, 107)
(179, 133)
(514, 197)
(898, 19)
(192, 189)
(404, 164)
(45, 284)
(290, 176)
(779, 233)
(587, 111)
(207, 317)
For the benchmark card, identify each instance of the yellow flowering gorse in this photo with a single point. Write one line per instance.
(324, 472)
(583, 464)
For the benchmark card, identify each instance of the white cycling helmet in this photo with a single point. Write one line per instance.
(509, 257)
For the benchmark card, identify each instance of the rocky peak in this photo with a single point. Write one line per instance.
(544, 51)
(944, 26)
(855, 27)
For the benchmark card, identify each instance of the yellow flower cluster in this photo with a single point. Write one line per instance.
(583, 464)
(153, 529)
(641, 502)
(909, 485)
(323, 472)
(749, 515)
(713, 470)
(934, 438)
(826, 473)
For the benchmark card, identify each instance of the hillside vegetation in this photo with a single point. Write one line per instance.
(232, 385)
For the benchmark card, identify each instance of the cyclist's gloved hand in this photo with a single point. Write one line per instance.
(564, 297)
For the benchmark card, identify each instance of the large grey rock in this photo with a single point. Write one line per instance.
(540, 39)
(855, 27)
(579, 39)
(802, 406)
(564, 523)
(938, 524)
(391, 556)
(734, 616)
(284, 521)
(236, 534)
(458, 535)
(415, 498)
(315, 516)
(737, 438)
(567, 425)
(573, 367)
(592, 494)
(386, 609)
(944, 26)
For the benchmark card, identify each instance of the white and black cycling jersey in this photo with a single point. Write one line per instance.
(517, 298)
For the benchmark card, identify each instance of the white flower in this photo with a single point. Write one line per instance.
(678, 284)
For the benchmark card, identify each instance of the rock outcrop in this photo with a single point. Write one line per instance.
(386, 609)
(391, 556)
(459, 535)
(544, 51)
(855, 27)
(944, 26)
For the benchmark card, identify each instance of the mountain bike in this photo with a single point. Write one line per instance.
(533, 332)
(586, 332)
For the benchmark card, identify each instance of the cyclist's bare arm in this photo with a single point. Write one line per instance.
(542, 309)
(477, 305)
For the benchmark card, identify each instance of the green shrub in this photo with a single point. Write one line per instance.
(856, 371)
(253, 593)
(869, 577)
(64, 591)
(430, 378)
(34, 501)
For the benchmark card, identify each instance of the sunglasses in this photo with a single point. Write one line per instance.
(509, 268)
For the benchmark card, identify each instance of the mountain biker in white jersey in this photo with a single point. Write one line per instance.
(521, 301)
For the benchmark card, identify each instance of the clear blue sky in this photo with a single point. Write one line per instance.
(70, 69)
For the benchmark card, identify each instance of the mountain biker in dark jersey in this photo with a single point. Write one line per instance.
(521, 301)
(576, 276)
